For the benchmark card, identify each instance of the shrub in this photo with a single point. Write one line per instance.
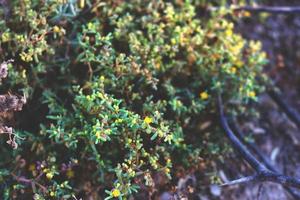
(129, 87)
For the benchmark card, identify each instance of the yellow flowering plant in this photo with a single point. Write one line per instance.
(120, 90)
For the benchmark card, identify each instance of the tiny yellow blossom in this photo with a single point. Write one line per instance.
(252, 94)
(230, 25)
(148, 120)
(236, 48)
(31, 167)
(24, 73)
(56, 29)
(45, 170)
(26, 57)
(173, 41)
(98, 134)
(247, 14)
(119, 120)
(49, 175)
(116, 193)
(255, 45)
(263, 55)
(70, 173)
(20, 38)
(81, 3)
(229, 32)
(204, 95)
(239, 63)
(91, 26)
(167, 170)
(52, 194)
(233, 70)
(5, 37)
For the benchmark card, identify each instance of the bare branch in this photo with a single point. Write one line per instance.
(242, 180)
(292, 114)
(268, 9)
(237, 144)
(262, 173)
(263, 158)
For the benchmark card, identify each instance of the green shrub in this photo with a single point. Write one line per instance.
(127, 84)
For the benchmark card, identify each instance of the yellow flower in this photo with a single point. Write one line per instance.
(26, 57)
(255, 45)
(173, 41)
(119, 120)
(56, 29)
(204, 95)
(252, 94)
(46, 170)
(98, 134)
(52, 194)
(116, 193)
(49, 175)
(81, 3)
(167, 170)
(239, 63)
(24, 73)
(247, 14)
(5, 37)
(148, 120)
(229, 32)
(20, 38)
(236, 48)
(263, 55)
(91, 26)
(70, 173)
(233, 70)
(31, 167)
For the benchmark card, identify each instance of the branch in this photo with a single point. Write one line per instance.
(292, 114)
(237, 144)
(268, 9)
(252, 147)
(241, 180)
(263, 158)
(262, 173)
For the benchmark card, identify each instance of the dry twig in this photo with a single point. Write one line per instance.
(262, 172)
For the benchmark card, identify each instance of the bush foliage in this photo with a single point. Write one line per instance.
(118, 90)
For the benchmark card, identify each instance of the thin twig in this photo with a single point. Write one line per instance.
(292, 114)
(262, 173)
(266, 161)
(268, 9)
(238, 132)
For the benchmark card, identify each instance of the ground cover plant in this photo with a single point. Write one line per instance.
(118, 91)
